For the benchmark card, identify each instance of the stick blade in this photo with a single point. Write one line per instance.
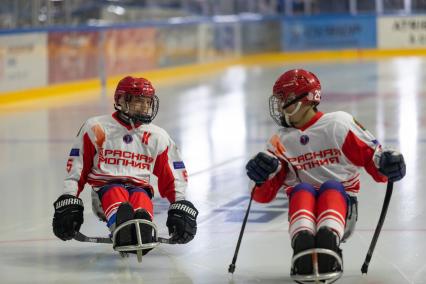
(364, 268)
(231, 268)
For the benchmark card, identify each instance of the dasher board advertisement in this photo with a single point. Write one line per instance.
(23, 61)
(73, 56)
(326, 32)
(401, 32)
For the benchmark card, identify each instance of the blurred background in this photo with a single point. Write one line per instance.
(46, 13)
(51, 42)
(213, 64)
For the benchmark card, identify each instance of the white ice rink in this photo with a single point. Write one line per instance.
(218, 121)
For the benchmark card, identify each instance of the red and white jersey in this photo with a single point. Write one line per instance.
(107, 151)
(331, 146)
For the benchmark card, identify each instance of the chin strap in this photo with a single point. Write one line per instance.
(133, 126)
(288, 115)
(286, 121)
(299, 104)
(127, 119)
(123, 114)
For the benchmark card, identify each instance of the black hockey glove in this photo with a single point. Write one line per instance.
(68, 216)
(261, 166)
(182, 221)
(391, 164)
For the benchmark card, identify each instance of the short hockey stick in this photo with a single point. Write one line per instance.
(231, 268)
(83, 238)
(101, 240)
(389, 189)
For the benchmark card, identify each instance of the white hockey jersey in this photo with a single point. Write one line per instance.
(331, 146)
(107, 150)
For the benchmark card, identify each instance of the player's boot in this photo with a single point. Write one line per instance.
(327, 239)
(146, 230)
(302, 241)
(124, 236)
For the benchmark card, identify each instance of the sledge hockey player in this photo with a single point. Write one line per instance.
(120, 155)
(316, 158)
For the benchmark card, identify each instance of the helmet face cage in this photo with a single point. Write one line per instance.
(128, 100)
(277, 104)
(275, 112)
(137, 115)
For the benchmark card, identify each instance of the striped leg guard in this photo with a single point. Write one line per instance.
(331, 211)
(331, 207)
(111, 197)
(302, 225)
(140, 198)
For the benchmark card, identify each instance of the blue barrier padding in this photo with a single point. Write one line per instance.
(328, 32)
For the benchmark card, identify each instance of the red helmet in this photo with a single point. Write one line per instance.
(129, 87)
(298, 82)
(294, 86)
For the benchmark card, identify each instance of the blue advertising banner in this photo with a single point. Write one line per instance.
(331, 32)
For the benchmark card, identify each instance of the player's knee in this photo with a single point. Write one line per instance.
(141, 190)
(332, 185)
(141, 198)
(110, 188)
(303, 187)
(117, 192)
